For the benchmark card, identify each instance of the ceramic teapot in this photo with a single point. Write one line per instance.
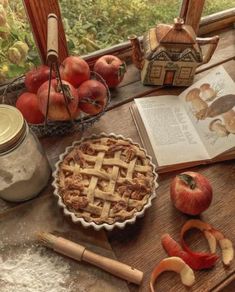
(171, 54)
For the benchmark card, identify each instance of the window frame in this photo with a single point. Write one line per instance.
(207, 24)
(188, 10)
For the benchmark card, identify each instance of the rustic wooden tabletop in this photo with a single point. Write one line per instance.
(139, 245)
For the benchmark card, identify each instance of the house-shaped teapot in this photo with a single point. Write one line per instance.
(171, 54)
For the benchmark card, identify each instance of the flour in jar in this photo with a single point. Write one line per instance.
(34, 270)
(23, 171)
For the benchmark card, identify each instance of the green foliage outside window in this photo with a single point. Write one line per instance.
(90, 25)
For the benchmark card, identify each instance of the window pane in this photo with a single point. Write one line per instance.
(17, 49)
(214, 6)
(91, 25)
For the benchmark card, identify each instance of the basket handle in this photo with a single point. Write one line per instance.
(52, 38)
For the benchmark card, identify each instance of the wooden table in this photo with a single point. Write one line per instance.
(139, 245)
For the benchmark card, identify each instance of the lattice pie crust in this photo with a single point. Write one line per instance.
(105, 180)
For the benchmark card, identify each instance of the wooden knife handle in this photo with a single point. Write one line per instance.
(52, 38)
(114, 267)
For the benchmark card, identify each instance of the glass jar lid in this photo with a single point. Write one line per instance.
(12, 127)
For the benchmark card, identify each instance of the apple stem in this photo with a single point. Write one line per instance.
(188, 180)
(121, 70)
(66, 91)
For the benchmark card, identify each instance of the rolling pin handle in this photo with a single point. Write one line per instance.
(52, 38)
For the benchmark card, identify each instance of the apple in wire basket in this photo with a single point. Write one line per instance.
(92, 96)
(36, 77)
(57, 109)
(28, 104)
(75, 70)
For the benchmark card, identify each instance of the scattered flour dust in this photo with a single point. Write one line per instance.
(35, 270)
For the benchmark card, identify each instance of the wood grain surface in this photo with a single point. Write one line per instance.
(217, 21)
(139, 244)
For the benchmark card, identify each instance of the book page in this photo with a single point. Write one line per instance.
(210, 104)
(170, 131)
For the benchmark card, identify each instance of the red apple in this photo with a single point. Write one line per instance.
(57, 107)
(28, 104)
(111, 68)
(191, 193)
(74, 70)
(36, 77)
(92, 96)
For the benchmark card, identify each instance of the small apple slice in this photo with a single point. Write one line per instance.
(211, 240)
(216, 233)
(174, 264)
(227, 251)
(225, 245)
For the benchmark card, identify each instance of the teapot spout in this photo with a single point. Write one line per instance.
(137, 57)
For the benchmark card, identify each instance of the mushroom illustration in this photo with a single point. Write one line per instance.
(198, 105)
(224, 106)
(229, 121)
(217, 126)
(207, 92)
(221, 105)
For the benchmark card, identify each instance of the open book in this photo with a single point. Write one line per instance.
(196, 127)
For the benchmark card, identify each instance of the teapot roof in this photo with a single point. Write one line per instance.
(179, 33)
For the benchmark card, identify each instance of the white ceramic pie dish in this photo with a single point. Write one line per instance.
(106, 226)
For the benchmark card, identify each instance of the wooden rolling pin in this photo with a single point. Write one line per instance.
(80, 253)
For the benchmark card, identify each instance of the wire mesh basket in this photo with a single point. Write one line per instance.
(50, 128)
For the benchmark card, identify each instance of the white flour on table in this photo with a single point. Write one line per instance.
(34, 271)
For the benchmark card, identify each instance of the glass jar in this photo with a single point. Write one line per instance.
(24, 168)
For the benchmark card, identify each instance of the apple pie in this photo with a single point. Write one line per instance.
(105, 179)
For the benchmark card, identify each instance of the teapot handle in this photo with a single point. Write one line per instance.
(212, 42)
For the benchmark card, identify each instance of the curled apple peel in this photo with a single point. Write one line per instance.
(174, 264)
(202, 226)
(211, 235)
(196, 261)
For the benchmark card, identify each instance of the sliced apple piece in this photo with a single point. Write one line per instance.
(174, 264)
(211, 240)
(217, 234)
(227, 250)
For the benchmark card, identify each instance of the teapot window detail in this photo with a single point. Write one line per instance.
(156, 70)
(188, 57)
(162, 56)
